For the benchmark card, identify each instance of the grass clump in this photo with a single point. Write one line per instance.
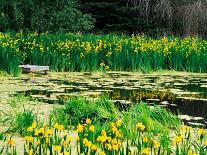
(18, 100)
(22, 121)
(103, 112)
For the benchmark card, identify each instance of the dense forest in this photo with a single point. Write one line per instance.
(182, 17)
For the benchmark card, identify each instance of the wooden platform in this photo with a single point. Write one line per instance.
(34, 68)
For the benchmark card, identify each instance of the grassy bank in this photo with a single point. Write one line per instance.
(88, 52)
(100, 128)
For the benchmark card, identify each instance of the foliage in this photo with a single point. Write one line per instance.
(36, 15)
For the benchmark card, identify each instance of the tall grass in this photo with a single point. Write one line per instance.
(103, 111)
(89, 52)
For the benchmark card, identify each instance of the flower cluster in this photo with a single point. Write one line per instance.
(90, 140)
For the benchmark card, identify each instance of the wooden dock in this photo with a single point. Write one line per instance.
(34, 68)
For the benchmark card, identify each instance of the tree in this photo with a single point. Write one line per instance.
(43, 15)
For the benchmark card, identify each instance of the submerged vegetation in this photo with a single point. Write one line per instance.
(138, 130)
(74, 52)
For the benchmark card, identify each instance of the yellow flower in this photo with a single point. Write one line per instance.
(118, 134)
(115, 147)
(107, 68)
(88, 144)
(92, 128)
(140, 126)
(30, 129)
(94, 148)
(57, 148)
(60, 127)
(102, 64)
(66, 153)
(85, 140)
(114, 129)
(88, 121)
(36, 133)
(34, 125)
(47, 140)
(186, 128)
(155, 144)
(108, 146)
(102, 153)
(69, 139)
(38, 142)
(41, 131)
(49, 132)
(192, 153)
(109, 139)
(55, 126)
(101, 139)
(29, 139)
(103, 133)
(177, 140)
(30, 152)
(64, 143)
(145, 139)
(201, 132)
(118, 123)
(79, 128)
(205, 142)
(10, 142)
(82, 154)
(146, 151)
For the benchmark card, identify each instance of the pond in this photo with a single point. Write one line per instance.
(182, 93)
